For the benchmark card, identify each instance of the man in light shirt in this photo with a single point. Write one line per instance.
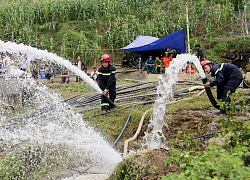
(80, 64)
(94, 74)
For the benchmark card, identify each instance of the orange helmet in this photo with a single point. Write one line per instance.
(105, 57)
(203, 63)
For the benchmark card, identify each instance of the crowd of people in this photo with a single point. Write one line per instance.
(158, 63)
(154, 65)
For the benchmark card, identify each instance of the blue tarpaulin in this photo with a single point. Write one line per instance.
(175, 40)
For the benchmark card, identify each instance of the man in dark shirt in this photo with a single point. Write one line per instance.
(227, 78)
(200, 54)
(125, 60)
(107, 82)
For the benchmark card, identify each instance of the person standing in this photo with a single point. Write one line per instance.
(94, 74)
(200, 54)
(80, 64)
(107, 82)
(227, 78)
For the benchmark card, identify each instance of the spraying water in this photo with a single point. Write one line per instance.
(47, 56)
(155, 138)
(48, 130)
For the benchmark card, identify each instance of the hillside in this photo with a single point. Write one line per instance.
(89, 28)
(199, 144)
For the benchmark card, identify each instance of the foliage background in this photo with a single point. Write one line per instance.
(91, 27)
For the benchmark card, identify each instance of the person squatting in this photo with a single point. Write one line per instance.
(227, 78)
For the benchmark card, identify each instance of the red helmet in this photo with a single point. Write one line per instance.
(203, 63)
(105, 57)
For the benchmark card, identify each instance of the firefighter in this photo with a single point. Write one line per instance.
(227, 78)
(107, 82)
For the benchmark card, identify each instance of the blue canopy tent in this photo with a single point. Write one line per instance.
(175, 40)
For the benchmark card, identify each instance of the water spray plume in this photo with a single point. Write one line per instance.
(155, 137)
(47, 56)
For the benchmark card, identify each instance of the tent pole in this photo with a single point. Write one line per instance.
(188, 43)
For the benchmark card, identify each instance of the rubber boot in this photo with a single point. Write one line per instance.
(221, 112)
(104, 109)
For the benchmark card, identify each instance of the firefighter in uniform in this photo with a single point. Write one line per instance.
(227, 78)
(107, 82)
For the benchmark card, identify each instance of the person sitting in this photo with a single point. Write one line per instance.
(32, 69)
(158, 65)
(48, 72)
(42, 71)
(125, 60)
(2, 66)
(167, 59)
(190, 69)
(134, 59)
(65, 76)
(85, 70)
(150, 65)
(139, 63)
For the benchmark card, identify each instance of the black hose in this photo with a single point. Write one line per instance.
(210, 95)
(112, 104)
(124, 127)
(205, 135)
(245, 84)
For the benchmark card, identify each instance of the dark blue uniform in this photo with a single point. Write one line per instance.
(106, 80)
(227, 78)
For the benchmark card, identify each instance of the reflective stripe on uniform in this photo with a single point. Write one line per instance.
(105, 74)
(105, 104)
(221, 67)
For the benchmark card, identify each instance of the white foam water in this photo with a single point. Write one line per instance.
(51, 124)
(154, 137)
